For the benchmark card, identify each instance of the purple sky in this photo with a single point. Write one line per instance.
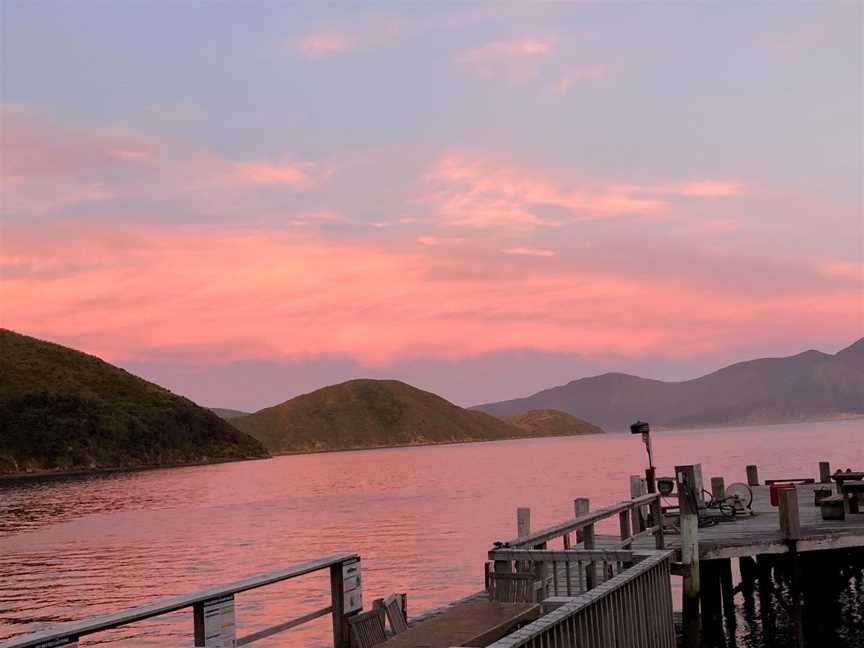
(246, 201)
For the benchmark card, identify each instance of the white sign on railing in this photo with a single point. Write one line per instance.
(219, 626)
(65, 642)
(352, 589)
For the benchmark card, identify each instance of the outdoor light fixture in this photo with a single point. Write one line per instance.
(641, 427)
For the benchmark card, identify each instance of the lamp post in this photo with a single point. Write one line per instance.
(641, 427)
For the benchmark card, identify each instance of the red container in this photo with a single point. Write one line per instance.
(774, 491)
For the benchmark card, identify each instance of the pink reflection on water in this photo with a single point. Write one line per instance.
(422, 519)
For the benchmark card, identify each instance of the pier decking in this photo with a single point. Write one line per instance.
(760, 534)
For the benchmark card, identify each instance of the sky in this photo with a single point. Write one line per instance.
(247, 201)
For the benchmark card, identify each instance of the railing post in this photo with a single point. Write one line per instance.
(198, 623)
(824, 472)
(341, 638)
(689, 508)
(638, 522)
(752, 475)
(581, 505)
(657, 519)
(523, 522)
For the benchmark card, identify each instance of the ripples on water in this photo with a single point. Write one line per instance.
(421, 518)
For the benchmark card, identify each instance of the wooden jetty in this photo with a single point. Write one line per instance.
(568, 586)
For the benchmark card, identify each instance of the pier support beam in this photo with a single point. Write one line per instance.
(689, 525)
(766, 598)
(724, 568)
(710, 599)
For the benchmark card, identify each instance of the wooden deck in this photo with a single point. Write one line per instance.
(474, 623)
(760, 533)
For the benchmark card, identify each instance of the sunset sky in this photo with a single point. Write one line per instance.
(246, 201)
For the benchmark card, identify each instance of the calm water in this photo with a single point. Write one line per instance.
(421, 518)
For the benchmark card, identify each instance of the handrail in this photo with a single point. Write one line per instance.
(108, 621)
(650, 560)
(579, 523)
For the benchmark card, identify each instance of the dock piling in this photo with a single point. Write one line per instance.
(689, 525)
(638, 523)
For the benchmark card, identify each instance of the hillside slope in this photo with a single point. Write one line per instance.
(808, 386)
(370, 413)
(550, 422)
(63, 410)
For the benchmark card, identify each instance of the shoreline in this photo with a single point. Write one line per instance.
(50, 474)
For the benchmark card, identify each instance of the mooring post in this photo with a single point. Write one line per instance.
(790, 525)
(581, 506)
(689, 525)
(636, 512)
(718, 489)
(752, 475)
(824, 472)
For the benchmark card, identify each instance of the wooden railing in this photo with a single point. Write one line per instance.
(631, 518)
(213, 609)
(632, 608)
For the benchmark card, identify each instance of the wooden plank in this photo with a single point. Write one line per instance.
(475, 623)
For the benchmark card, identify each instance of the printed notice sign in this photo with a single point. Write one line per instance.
(219, 628)
(65, 642)
(351, 586)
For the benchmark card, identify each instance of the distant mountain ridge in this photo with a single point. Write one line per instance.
(62, 410)
(551, 422)
(808, 386)
(368, 413)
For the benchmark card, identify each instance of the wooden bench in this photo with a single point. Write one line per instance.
(833, 507)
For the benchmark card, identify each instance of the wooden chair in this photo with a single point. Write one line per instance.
(395, 608)
(367, 628)
(521, 587)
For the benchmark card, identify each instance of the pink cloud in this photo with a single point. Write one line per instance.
(519, 60)
(265, 173)
(439, 240)
(49, 165)
(568, 80)
(128, 292)
(844, 269)
(472, 190)
(323, 45)
(526, 251)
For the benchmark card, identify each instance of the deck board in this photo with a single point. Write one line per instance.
(760, 533)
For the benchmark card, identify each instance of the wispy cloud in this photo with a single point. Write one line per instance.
(569, 79)
(326, 44)
(517, 60)
(439, 240)
(526, 251)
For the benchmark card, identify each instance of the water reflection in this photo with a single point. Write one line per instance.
(422, 518)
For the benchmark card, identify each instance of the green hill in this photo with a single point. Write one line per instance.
(368, 414)
(63, 410)
(550, 422)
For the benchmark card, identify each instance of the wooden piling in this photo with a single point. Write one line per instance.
(581, 506)
(824, 472)
(718, 489)
(709, 597)
(689, 525)
(790, 523)
(724, 568)
(747, 567)
(766, 596)
(752, 475)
